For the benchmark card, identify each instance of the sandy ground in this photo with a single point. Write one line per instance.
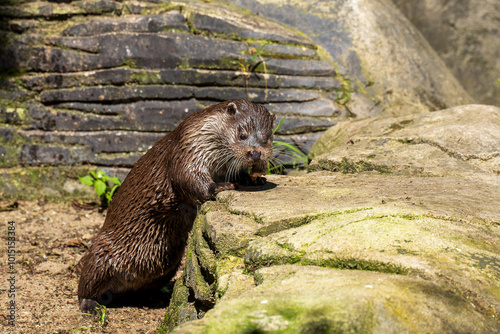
(50, 239)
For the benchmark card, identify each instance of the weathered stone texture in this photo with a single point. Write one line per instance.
(369, 40)
(465, 35)
(458, 141)
(110, 66)
(143, 23)
(100, 90)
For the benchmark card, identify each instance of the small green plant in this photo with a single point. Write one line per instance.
(497, 83)
(344, 95)
(101, 183)
(250, 66)
(100, 318)
(289, 150)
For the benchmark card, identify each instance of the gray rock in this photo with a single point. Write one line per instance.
(344, 302)
(464, 33)
(362, 38)
(51, 155)
(285, 51)
(298, 67)
(360, 106)
(199, 77)
(226, 21)
(126, 160)
(139, 50)
(404, 252)
(257, 95)
(142, 23)
(303, 125)
(60, 10)
(317, 108)
(6, 134)
(458, 141)
(121, 94)
(99, 141)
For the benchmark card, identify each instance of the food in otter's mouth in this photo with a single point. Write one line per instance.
(143, 238)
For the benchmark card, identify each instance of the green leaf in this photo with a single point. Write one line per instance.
(109, 197)
(112, 192)
(87, 180)
(116, 180)
(100, 187)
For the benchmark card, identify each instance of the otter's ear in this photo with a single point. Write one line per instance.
(232, 109)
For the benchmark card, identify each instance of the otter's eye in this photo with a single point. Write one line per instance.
(243, 136)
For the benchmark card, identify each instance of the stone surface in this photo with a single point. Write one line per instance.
(319, 108)
(51, 154)
(464, 33)
(59, 10)
(143, 23)
(295, 299)
(197, 77)
(371, 237)
(457, 141)
(227, 21)
(93, 70)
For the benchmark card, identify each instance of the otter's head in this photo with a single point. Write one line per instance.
(247, 138)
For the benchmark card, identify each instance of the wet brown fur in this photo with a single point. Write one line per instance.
(147, 224)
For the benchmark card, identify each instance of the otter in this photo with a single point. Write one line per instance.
(142, 241)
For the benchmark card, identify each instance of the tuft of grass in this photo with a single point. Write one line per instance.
(290, 150)
(100, 318)
(251, 66)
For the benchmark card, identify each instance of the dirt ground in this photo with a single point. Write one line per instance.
(50, 240)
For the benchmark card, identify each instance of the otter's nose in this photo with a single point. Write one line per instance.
(254, 155)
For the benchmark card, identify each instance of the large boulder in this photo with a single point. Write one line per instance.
(376, 47)
(460, 141)
(465, 35)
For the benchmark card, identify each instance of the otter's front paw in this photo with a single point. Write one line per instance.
(254, 179)
(258, 180)
(216, 188)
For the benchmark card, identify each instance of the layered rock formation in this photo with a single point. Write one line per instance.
(97, 83)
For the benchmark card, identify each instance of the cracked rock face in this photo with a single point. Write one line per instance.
(112, 77)
(132, 69)
(384, 253)
(460, 141)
